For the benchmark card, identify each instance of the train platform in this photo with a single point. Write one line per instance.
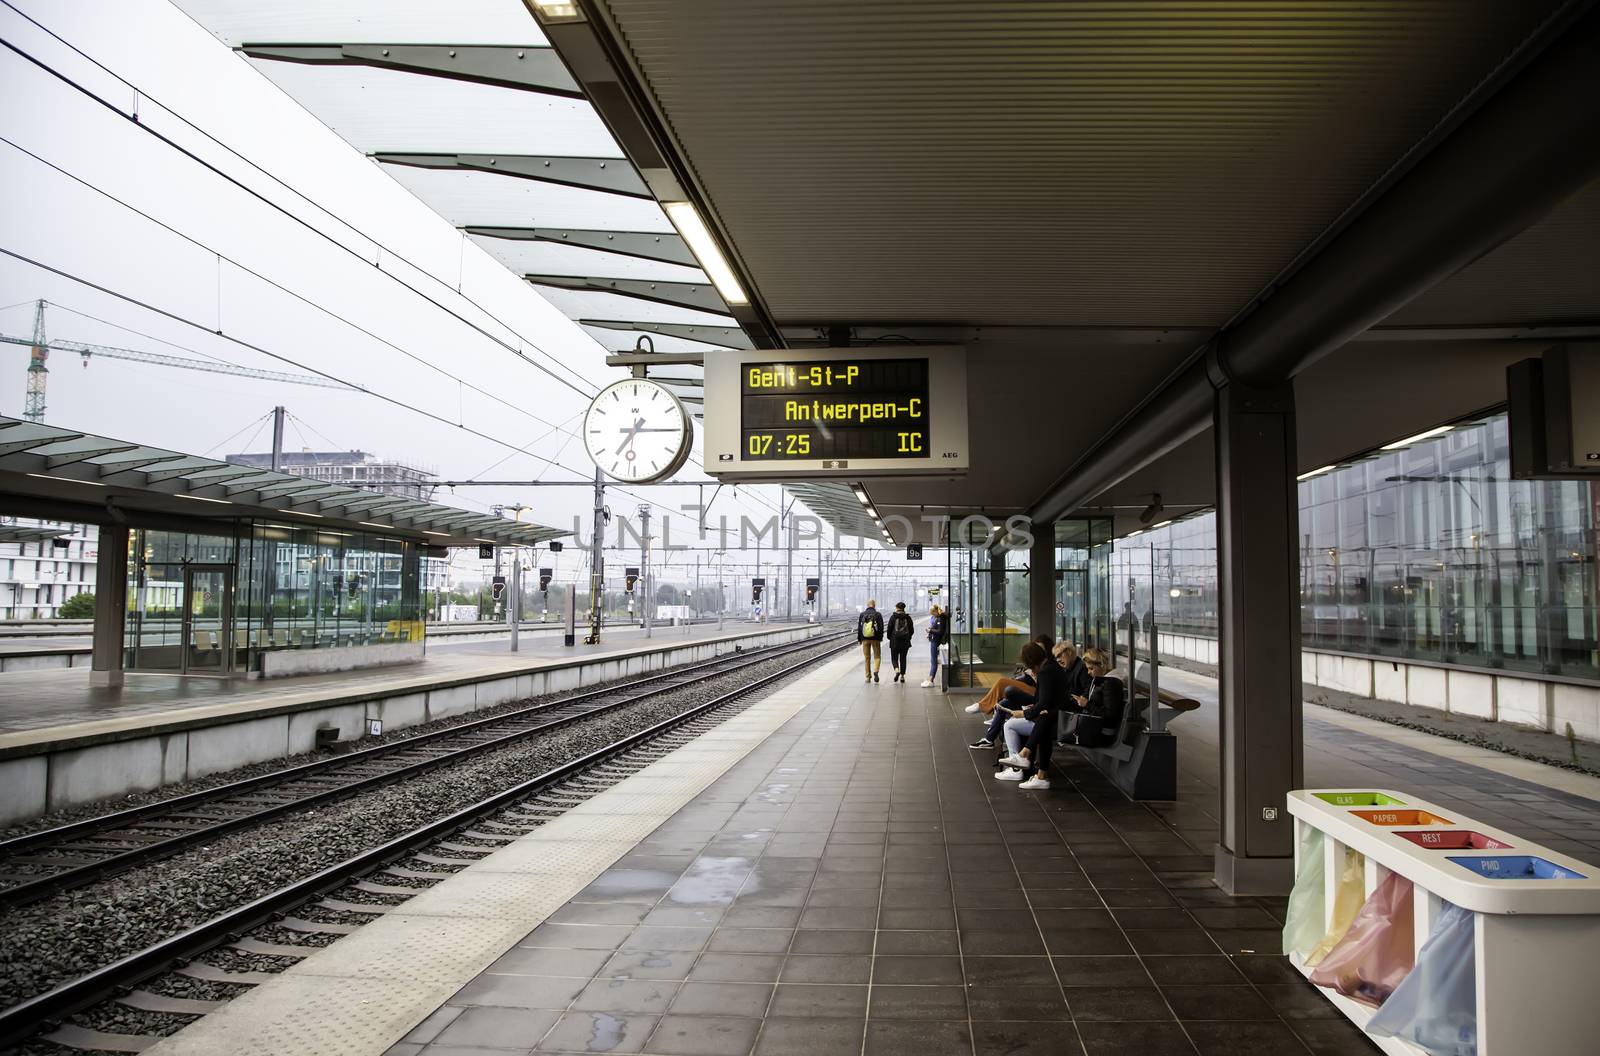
(835, 871)
(65, 742)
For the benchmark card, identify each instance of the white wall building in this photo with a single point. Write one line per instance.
(42, 564)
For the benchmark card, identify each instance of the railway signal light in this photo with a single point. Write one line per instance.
(497, 587)
(545, 576)
(632, 576)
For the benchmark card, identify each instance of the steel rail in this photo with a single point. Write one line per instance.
(29, 1017)
(50, 884)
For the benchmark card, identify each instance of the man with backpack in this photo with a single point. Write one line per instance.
(901, 630)
(869, 632)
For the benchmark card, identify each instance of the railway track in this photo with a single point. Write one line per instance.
(446, 844)
(43, 864)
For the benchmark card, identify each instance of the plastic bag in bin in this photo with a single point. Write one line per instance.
(1436, 1006)
(1375, 954)
(1303, 924)
(1347, 898)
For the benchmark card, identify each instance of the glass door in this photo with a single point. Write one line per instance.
(1072, 606)
(207, 619)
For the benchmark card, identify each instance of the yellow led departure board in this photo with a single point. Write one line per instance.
(875, 408)
(848, 412)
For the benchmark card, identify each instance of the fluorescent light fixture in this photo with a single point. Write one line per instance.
(1130, 535)
(1316, 473)
(202, 498)
(556, 11)
(66, 480)
(489, 541)
(370, 524)
(445, 535)
(686, 218)
(1163, 524)
(303, 513)
(1175, 593)
(861, 493)
(1420, 436)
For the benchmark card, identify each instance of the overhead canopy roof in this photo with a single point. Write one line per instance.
(466, 105)
(102, 475)
(1086, 194)
(30, 533)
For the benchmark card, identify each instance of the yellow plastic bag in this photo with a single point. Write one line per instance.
(1347, 899)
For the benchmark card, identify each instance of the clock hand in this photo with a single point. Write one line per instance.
(632, 432)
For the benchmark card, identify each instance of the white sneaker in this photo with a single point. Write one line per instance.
(1036, 782)
(972, 709)
(1008, 775)
(927, 682)
(1014, 760)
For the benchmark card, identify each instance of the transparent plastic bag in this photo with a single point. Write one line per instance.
(1303, 924)
(1436, 1006)
(1347, 899)
(1375, 954)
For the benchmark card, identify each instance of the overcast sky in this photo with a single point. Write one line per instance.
(412, 351)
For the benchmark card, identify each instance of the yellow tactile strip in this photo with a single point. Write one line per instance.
(363, 993)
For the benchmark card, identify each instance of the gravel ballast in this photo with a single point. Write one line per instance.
(47, 943)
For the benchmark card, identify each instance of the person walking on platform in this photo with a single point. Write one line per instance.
(869, 632)
(900, 631)
(937, 626)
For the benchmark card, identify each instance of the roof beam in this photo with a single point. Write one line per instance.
(534, 69)
(612, 175)
(723, 336)
(666, 247)
(698, 296)
(1523, 151)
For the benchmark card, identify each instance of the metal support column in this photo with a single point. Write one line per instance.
(110, 605)
(648, 602)
(597, 575)
(1042, 579)
(1259, 647)
(514, 606)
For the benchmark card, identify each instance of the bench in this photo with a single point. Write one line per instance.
(1141, 761)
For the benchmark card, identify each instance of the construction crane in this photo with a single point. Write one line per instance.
(39, 371)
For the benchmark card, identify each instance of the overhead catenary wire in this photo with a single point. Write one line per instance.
(185, 321)
(270, 282)
(136, 118)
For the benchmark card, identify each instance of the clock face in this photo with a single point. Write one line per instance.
(637, 431)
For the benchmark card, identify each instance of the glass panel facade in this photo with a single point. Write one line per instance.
(1430, 552)
(214, 604)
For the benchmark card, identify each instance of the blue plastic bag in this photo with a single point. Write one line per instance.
(1436, 1005)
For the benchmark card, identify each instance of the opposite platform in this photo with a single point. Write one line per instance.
(64, 742)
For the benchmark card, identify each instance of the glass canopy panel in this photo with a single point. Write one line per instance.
(598, 305)
(483, 199)
(363, 22)
(386, 110)
(526, 257)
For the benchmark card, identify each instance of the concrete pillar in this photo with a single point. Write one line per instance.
(1042, 580)
(1259, 647)
(110, 606)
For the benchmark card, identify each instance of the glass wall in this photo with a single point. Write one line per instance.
(992, 616)
(1430, 552)
(215, 604)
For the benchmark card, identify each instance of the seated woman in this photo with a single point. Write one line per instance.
(1101, 706)
(1011, 688)
(1015, 723)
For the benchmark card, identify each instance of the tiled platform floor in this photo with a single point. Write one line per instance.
(860, 884)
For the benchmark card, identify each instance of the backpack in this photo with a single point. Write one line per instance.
(869, 625)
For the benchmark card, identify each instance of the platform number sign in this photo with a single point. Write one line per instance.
(485, 551)
(913, 551)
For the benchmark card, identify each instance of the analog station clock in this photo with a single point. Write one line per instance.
(637, 431)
